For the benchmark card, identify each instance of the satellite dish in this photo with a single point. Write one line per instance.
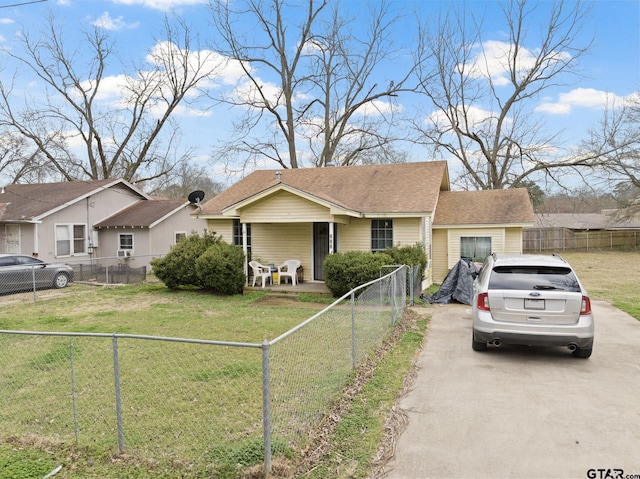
(195, 197)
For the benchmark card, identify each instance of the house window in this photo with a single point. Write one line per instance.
(381, 235)
(125, 244)
(71, 239)
(475, 248)
(237, 234)
(179, 236)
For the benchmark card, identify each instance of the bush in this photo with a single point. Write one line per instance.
(178, 267)
(221, 268)
(409, 255)
(345, 271)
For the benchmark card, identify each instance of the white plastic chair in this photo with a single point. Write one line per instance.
(289, 268)
(260, 271)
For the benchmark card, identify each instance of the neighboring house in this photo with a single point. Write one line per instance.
(58, 221)
(562, 231)
(309, 213)
(147, 228)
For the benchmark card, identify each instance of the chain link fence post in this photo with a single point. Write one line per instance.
(266, 406)
(116, 377)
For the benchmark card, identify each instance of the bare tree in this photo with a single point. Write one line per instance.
(128, 134)
(616, 143)
(484, 92)
(321, 90)
(186, 177)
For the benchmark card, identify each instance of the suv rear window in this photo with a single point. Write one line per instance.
(544, 278)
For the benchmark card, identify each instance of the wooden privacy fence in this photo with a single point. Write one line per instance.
(563, 239)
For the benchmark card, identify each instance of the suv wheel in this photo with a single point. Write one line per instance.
(477, 345)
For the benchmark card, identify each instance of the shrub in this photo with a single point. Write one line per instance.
(221, 268)
(178, 267)
(409, 255)
(345, 271)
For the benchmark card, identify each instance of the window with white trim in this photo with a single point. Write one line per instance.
(381, 235)
(125, 244)
(475, 248)
(71, 239)
(179, 236)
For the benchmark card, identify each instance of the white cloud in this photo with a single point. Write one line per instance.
(476, 117)
(582, 98)
(493, 61)
(6, 21)
(105, 21)
(161, 4)
(378, 107)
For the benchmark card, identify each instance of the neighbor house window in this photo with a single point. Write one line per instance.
(179, 236)
(237, 234)
(71, 239)
(475, 248)
(125, 244)
(381, 234)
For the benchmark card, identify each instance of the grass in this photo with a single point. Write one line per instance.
(352, 443)
(610, 276)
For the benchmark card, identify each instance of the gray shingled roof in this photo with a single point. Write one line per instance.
(395, 188)
(585, 221)
(142, 214)
(511, 206)
(33, 201)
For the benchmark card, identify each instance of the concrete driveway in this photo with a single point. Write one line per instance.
(522, 412)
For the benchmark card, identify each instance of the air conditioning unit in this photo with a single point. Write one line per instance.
(124, 253)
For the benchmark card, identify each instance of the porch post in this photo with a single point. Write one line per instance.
(331, 233)
(244, 250)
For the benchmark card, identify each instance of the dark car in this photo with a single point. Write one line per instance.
(22, 272)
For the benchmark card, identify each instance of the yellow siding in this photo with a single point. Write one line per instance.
(276, 243)
(222, 228)
(284, 207)
(440, 258)
(446, 245)
(407, 231)
(357, 235)
(513, 242)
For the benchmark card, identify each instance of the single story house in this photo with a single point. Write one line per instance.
(71, 221)
(608, 229)
(309, 213)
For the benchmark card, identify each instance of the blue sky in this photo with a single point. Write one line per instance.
(610, 71)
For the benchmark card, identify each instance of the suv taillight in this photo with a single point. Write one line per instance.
(483, 301)
(586, 305)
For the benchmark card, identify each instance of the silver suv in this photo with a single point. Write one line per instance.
(531, 300)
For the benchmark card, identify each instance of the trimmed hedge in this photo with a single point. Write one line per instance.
(345, 271)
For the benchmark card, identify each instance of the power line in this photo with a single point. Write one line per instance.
(23, 3)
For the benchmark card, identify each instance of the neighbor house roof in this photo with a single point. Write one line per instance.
(394, 188)
(143, 214)
(586, 221)
(494, 207)
(34, 201)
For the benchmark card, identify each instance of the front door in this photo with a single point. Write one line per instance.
(320, 248)
(13, 239)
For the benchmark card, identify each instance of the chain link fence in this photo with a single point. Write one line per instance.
(192, 400)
